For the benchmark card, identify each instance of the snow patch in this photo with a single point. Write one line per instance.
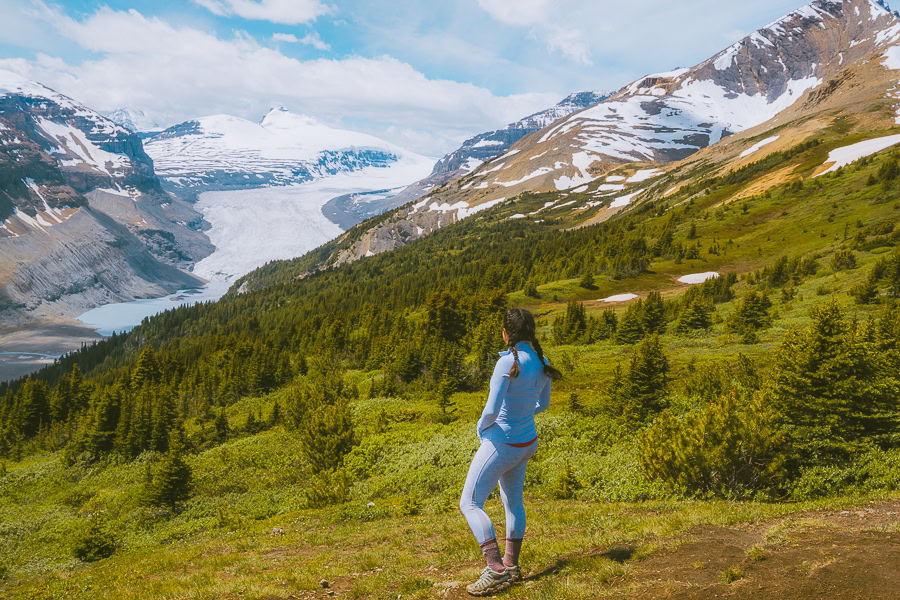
(581, 161)
(758, 145)
(620, 298)
(891, 58)
(644, 175)
(624, 200)
(462, 213)
(842, 157)
(485, 143)
(538, 173)
(695, 278)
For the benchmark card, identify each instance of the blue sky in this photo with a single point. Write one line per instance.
(422, 74)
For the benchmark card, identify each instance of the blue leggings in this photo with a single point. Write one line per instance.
(496, 462)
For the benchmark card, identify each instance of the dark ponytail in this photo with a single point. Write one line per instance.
(551, 372)
(520, 327)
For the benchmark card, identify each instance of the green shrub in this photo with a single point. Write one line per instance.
(326, 488)
(566, 483)
(408, 505)
(730, 575)
(726, 449)
(875, 470)
(95, 542)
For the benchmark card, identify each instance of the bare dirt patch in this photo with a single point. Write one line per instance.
(848, 554)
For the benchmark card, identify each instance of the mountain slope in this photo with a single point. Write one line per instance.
(223, 152)
(477, 150)
(825, 63)
(83, 219)
(135, 120)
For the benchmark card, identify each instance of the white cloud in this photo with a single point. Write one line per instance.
(517, 12)
(541, 17)
(288, 12)
(177, 73)
(570, 42)
(310, 39)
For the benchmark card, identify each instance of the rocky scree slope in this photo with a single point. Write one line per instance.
(827, 61)
(83, 220)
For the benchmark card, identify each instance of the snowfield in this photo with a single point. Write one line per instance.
(841, 157)
(620, 298)
(695, 278)
(758, 145)
(253, 227)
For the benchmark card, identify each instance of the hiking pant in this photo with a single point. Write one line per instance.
(496, 462)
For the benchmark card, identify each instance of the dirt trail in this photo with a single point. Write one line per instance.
(849, 554)
(846, 554)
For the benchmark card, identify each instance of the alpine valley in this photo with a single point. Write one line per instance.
(712, 257)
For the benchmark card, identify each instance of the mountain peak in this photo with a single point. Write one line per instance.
(282, 118)
(133, 119)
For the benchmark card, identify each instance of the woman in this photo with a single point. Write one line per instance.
(520, 387)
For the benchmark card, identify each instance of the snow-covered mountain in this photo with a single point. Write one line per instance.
(224, 152)
(83, 219)
(668, 116)
(134, 120)
(828, 59)
(475, 151)
(481, 148)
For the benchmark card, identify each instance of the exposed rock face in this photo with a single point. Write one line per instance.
(83, 219)
(827, 59)
(483, 147)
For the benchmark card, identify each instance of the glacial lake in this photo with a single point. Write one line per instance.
(125, 316)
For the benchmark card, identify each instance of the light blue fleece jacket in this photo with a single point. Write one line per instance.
(508, 415)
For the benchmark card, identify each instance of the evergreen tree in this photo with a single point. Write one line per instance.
(843, 260)
(251, 425)
(531, 289)
(443, 316)
(587, 281)
(275, 416)
(146, 369)
(443, 400)
(326, 428)
(867, 291)
(654, 314)
(171, 482)
(833, 391)
(751, 315)
(574, 327)
(221, 428)
(608, 324)
(647, 381)
(728, 449)
(631, 328)
(695, 316)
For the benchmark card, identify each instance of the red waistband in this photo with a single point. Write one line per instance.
(523, 444)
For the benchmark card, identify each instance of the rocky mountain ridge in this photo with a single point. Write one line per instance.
(483, 147)
(827, 61)
(83, 219)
